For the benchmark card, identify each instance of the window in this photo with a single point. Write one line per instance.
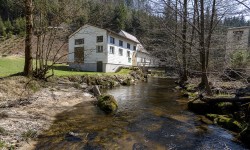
(237, 35)
(134, 48)
(112, 40)
(79, 41)
(99, 49)
(129, 60)
(120, 43)
(120, 52)
(99, 39)
(128, 45)
(111, 50)
(79, 54)
(128, 54)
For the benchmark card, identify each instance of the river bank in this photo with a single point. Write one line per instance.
(223, 108)
(28, 107)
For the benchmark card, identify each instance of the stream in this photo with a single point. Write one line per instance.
(150, 116)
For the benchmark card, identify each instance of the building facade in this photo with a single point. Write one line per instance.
(238, 38)
(95, 49)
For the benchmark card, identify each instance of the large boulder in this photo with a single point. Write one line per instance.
(107, 103)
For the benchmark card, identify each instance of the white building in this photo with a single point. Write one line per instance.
(144, 58)
(95, 49)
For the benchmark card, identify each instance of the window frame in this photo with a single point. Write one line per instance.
(120, 52)
(98, 40)
(129, 60)
(110, 40)
(237, 35)
(113, 50)
(120, 43)
(79, 43)
(128, 46)
(128, 54)
(134, 48)
(97, 49)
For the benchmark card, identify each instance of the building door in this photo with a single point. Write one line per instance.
(99, 66)
(79, 55)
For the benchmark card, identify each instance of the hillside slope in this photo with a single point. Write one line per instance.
(16, 46)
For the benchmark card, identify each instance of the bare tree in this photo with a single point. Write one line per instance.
(204, 79)
(28, 39)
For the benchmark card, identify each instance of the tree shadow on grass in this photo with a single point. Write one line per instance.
(12, 75)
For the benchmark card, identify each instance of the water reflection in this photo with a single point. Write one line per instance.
(150, 116)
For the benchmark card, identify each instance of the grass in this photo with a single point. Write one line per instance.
(30, 134)
(12, 65)
(2, 144)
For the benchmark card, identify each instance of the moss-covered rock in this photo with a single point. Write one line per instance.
(107, 103)
(245, 135)
(190, 95)
(184, 93)
(205, 120)
(191, 88)
(212, 116)
(226, 122)
(199, 107)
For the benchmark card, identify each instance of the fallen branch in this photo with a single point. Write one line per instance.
(119, 80)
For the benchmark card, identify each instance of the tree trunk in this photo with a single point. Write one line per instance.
(28, 39)
(225, 99)
(176, 39)
(204, 80)
(184, 46)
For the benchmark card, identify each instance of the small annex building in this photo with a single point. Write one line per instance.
(238, 38)
(101, 50)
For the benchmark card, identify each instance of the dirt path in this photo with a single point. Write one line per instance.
(26, 120)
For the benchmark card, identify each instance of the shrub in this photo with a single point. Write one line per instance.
(240, 59)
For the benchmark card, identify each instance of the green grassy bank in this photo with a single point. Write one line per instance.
(12, 65)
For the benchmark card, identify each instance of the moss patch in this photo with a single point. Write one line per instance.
(226, 122)
(2, 144)
(107, 103)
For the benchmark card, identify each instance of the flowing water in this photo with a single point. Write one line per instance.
(150, 116)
